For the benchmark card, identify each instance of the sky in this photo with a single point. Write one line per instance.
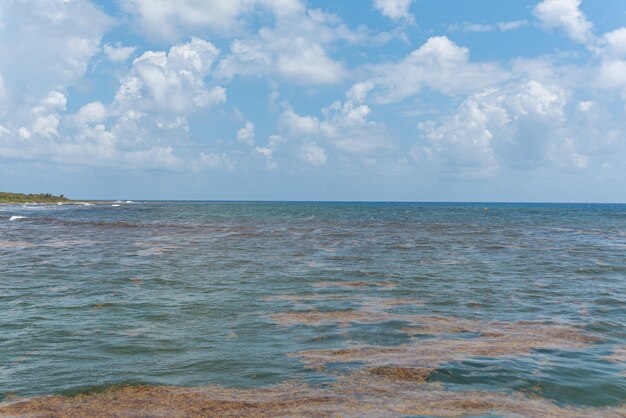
(401, 100)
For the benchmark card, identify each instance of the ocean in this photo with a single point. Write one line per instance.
(469, 308)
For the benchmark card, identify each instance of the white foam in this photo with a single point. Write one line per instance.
(115, 205)
(15, 218)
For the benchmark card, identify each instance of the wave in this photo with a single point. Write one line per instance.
(16, 218)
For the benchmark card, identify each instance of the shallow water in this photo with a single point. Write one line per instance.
(250, 295)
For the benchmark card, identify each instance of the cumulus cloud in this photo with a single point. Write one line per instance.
(610, 48)
(295, 49)
(297, 125)
(395, 10)
(118, 52)
(267, 152)
(612, 74)
(313, 154)
(565, 15)
(55, 100)
(522, 126)
(344, 125)
(91, 112)
(45, 50)
(45, 126)
(246, 134)
(47, 47)
(439, 64)
(168, 20)
(211, 161)
(171, 82)
(172, 20)
(614, 43)
(612, 52)
(142, 128)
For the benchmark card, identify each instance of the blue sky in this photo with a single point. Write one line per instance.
(417, 100)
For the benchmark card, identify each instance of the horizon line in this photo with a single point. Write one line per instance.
(349, 201)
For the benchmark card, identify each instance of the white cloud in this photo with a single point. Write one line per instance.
(488, 27)
(267, 152)
(565, 15)
(511, 25)
(610, 48)
(358, 92)
(611, 74)
(171, 20)
(23, 133)
(308, 63)
(439, 64)
(615, 43)
(297, 125)
(585, 105)
(47, 46)
(117, 52)
(54, 101)
(395, 10)
(246, 134)
(296, 49)
(344, 125)
(211, 161)
(45, 50)
(46, 126)
(171, 82)
(313, 154)
(92, 112)
(143, 128)
(521, 126)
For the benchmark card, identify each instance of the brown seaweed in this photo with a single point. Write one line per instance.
(354, 395)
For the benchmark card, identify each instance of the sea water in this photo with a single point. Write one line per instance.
(226, 293)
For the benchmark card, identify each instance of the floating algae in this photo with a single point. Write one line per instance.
(507, 339)
(392, 380)
(437, 325)
(365, 301)
(353, 395)
(343, 318)
(415, 374)
(377, 304)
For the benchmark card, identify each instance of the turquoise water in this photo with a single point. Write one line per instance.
(189, 293)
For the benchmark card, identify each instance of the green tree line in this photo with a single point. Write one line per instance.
(6, 197)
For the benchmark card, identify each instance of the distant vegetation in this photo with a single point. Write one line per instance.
(33, 198)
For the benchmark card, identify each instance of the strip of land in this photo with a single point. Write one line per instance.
(6, 197)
